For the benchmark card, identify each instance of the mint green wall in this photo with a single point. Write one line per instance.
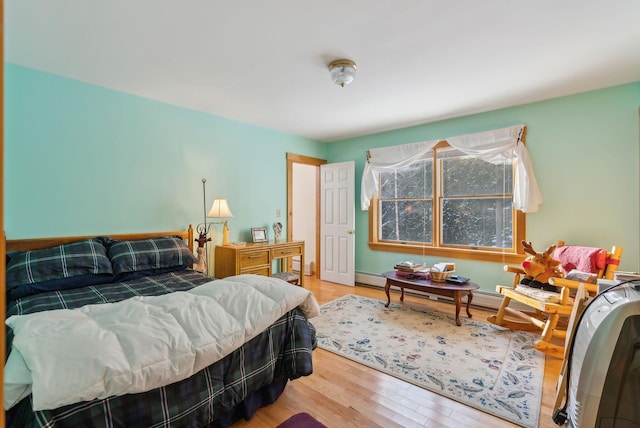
(585, 152)
(82, 159)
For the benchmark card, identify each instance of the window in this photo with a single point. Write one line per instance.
(448, 204)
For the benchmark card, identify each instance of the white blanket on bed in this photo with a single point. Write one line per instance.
(97, 351)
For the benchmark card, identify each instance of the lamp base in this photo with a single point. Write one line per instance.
(225, 234)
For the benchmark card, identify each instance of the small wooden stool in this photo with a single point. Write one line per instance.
(291, 278)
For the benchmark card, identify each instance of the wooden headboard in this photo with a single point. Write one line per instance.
(40, 243)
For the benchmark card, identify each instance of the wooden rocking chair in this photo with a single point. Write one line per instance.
(545, 308)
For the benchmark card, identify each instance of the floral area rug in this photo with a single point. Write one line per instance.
(492, 369)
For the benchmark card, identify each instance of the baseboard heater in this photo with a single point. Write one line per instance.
(308, 267)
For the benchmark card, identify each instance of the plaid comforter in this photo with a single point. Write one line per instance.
(282, 351)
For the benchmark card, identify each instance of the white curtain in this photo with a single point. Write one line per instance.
(497, 146)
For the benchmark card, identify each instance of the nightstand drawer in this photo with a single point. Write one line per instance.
(254, 258)
(264, 271)
(293, 250)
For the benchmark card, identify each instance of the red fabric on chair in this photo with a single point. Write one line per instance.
(584, 259)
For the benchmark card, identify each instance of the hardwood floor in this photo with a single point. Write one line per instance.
(343, 393)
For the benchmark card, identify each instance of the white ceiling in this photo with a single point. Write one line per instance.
(265, 62)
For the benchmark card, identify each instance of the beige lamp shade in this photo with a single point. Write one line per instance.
(220, 209)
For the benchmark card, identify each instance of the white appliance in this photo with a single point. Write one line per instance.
(604, 371)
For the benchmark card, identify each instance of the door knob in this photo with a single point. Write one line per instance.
(350, 232)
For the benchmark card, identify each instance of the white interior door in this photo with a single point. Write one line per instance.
(337, 218)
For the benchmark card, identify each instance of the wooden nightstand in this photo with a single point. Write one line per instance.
(257, 258)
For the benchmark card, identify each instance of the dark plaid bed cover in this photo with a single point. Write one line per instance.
(283, 350)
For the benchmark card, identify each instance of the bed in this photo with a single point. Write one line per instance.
(144, 280)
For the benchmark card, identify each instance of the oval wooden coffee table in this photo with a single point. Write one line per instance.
(455, 291)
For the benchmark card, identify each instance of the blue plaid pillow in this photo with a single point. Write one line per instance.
(133, 259)
(66, 266)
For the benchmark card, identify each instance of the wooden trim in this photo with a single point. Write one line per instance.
(40, 243)
(305, 160)
(290, 163)
(485, 256)
(318, 216)
(523, 137)
(441, 144)
(373, 221)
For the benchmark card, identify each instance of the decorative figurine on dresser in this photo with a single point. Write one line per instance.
(277, 231)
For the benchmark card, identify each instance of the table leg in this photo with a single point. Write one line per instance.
(386, 291)
(402, 294)
(458, 299)
(469, 299)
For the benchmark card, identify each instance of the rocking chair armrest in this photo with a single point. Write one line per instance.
(513, 269)
(517, 271)
(574, 285)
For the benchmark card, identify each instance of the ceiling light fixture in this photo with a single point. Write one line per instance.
(342, 71)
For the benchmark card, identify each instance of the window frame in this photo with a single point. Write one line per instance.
(514, 255)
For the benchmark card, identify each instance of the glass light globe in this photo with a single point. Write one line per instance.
(342, 71)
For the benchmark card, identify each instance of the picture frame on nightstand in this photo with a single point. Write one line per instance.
(259, 234)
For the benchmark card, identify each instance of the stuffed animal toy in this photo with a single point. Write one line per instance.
(539, 267)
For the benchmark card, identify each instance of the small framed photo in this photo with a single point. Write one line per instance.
(259, 234)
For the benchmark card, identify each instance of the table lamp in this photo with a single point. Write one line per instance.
(220, 209)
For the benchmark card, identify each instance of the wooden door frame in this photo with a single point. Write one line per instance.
(293, 158)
